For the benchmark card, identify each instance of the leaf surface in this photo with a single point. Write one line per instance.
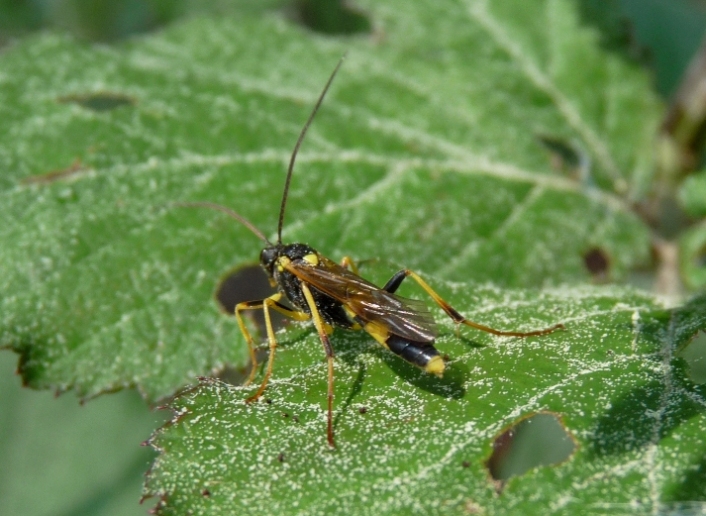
(491, 146)
(409, 443)
(425, 154)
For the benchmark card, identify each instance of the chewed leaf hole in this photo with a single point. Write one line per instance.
(694, 353)
(248, 283)
(597, 263)
(563, 155)
(538, 440)
(332, 17)
(99, 101)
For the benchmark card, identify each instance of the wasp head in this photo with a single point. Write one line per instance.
(268, 258)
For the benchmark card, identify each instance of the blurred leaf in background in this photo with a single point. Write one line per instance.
(60, 458)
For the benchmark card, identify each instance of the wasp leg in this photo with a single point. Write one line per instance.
(265, 305)
(323, 329)
(348, 263)
(393, 284)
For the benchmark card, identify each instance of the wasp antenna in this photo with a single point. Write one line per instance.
(296, 149)
(237, 216)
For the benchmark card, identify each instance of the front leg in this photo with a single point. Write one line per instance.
(265, 305)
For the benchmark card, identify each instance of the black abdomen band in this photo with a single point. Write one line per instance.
(417, 353)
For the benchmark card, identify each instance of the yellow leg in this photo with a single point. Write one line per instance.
(323, 329)
(348, 263)
(394, 283)
(265, 305)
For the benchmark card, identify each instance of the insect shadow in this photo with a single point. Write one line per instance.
(350, 351)
(448, 386)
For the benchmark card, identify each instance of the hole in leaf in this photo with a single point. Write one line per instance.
(108, 20)
(99, 101)
(249, 283)
(538, 440)
(597, 262)
(563, 155)
(615, 31)
(332, 17)
(694, 353)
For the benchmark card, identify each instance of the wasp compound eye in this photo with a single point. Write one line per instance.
(268, 256)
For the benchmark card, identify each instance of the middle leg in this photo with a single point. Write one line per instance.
(265, 305)
(323, 330)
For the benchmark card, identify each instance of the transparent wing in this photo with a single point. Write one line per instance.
(402, 316)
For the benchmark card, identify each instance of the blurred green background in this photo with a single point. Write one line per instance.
(63, 458)
(664, 34)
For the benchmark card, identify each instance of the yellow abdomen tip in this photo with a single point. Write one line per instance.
(436, 366)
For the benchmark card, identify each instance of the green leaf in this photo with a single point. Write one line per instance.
(692, 195)
(425, 154)
(61, 458)
(689, 336)
(422, 443)
(692, 248)
(694, 353)
(428, 154)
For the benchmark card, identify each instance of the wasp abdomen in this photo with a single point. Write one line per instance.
(421, 354)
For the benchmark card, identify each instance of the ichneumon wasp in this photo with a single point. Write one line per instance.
(333, 295)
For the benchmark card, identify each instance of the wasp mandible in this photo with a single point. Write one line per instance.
(334, 295)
